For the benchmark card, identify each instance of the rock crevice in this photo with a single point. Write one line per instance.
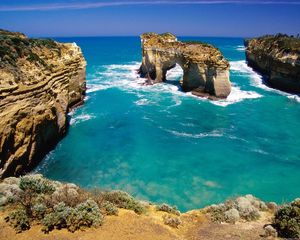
(205, 70)
(40, 80)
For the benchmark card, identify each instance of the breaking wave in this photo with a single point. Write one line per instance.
(80, 118)
(125, 77)
(257, 80)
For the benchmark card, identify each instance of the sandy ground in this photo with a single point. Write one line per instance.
(130, 226)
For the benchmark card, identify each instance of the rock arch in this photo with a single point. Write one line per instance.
(205, 70)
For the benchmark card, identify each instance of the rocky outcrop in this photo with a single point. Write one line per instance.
(40, 80)
(278, 58)
(205, 70)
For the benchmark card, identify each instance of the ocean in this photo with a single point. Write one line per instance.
(163, 145)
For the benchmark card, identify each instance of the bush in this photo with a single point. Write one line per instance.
(171, 221)
(247, 207)
(57, 218)
(85, 214)
(18, 220)
(287, 220)
(232, 215)
(39, 210)
(69, 195)
(36, 184)
(110, 209)
(166, 208)
(123, 200)
(217, 213)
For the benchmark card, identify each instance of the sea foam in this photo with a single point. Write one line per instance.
(80, 118)
(257, 80)
(125, 77)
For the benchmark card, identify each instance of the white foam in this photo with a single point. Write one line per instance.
(125, 76)
(257, 80)
(236, 95)
(142, 102)
(175, 73)
(197, 135)
(95, 88)
(81, 118)
(240, 48)
(295, 98)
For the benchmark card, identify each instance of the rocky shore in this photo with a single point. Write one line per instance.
(278, 59)
(205, 70)
(40, 81)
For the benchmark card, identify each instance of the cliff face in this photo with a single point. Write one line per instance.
(205, 70)
(39, 81)
(277, 57)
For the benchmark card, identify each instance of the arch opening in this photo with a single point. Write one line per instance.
(174, 75)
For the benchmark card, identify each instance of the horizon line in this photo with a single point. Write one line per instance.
(90, 5)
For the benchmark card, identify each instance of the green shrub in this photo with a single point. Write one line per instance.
(86, 214)
(171, 221)
(69, 195)
(36, 184)
(287, 220)
(18, 220)
(110, 208)
(124, 200)
(39, 210)
(217, 213)
(57, 218)
(166, 208)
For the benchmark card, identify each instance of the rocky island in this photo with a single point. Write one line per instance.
(205, 70)
(278, 58)
(40, 80)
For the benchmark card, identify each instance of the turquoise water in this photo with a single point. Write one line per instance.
(163, 145)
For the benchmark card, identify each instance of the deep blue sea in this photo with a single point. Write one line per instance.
(163, 145)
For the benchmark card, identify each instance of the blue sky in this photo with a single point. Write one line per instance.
(133, 17)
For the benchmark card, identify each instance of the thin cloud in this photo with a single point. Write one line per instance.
(76, 6)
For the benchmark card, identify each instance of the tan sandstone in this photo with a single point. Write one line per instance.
(40, 80)
(205, 70)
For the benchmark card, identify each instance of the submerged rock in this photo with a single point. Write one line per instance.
(205, 70)
(278, 58)
(40, 80)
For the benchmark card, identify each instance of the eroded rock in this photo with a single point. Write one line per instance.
(205, 70)
(40, 80)
(278, 58)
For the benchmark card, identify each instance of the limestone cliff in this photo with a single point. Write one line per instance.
(278, 58)
(40, 80)
(205, 70)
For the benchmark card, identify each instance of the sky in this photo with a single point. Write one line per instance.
(223, 18)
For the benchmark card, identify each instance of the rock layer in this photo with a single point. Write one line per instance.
(205, 70)
(40, 80)
(278, 58)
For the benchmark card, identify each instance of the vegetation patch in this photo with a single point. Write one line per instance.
(172, 221)
(245, 208)
(287, 220)
(55, 205)
(124, 200)
(166, 208)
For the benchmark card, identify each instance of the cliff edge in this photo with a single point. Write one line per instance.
(33, 205)
(278, 58)
(205, 70)
(40, 80)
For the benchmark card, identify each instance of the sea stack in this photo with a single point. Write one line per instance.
(278, 59)
(205, 70)
(40, 80)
